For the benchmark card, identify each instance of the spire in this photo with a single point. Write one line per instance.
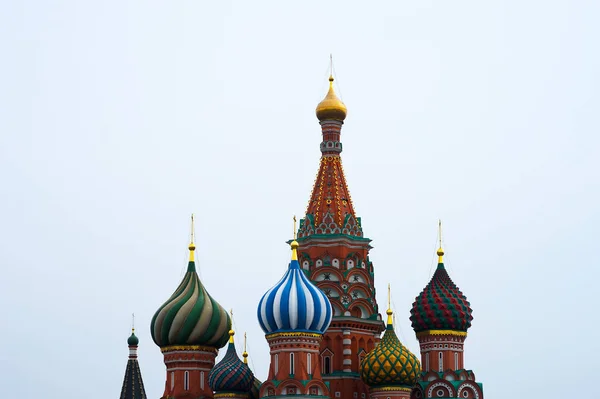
(133, 385)
(245, 353)
(440, 251)
(192, 246)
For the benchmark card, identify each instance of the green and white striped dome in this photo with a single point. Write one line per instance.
(191, 316)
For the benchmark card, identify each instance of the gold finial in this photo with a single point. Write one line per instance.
(440, 251)
(192, 246)
(294, 244)
(231, 332)
(245, 353)
(331, 108)
(132, 323)
(389, 310)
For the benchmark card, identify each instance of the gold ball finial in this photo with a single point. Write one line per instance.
(331, 108)
(192, 247)
(231, 333)
(440, 252)
(389, 312)
(294, 244)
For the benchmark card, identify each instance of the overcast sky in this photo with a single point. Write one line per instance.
(118, 119)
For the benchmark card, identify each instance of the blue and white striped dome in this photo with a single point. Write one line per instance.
(294, 303)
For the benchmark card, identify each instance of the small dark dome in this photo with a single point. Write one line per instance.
(133, 340)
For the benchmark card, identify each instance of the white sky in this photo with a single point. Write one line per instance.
(119, 119)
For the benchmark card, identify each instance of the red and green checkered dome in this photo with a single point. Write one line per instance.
(441, 305)
(231, 374)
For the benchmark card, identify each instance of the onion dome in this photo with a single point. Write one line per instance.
(294, 303)
(390, 363)
(190, 316)
(331, 108)
(133, 340)
(441, 305)
(231, 374)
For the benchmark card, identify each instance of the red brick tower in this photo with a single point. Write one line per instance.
(335, 254)
(441, 316)
(294, 314)
(189, 328)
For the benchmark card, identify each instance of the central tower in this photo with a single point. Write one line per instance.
(334, 253)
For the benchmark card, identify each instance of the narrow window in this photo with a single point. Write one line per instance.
(276, 364)
(327, 365)
(441, 362)
(186, 380)
(172, 379)
(455, 360)
(308, 364)
(202, 380)
(291, 363)
(427, 361)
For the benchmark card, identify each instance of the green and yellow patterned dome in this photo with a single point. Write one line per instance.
(390, 364)
(191, 316)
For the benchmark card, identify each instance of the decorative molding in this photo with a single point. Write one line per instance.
(195, 348)
(441, 332)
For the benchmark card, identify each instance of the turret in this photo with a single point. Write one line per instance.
(189, 328)
(133, 385)
(441, 316)
(390, 370)
(334, 253)
(294, 314)
(231, 377)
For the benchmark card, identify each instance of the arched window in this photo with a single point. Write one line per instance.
(202, 380)
(327, 365)
(441, 362)
(427, 361)
(172, 379)
(186, 380)
(308, 364)
(276, 363)
(455, 360)
(292, 363)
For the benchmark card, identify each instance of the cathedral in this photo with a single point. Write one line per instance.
(321, 320)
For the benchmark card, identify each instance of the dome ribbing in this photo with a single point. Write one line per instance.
(294, 303)
(331, 108)
(231, 374)
(441, 305)
(133, 340)
(390, 363)
(190, 316)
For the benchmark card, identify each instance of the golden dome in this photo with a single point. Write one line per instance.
(331, 107)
